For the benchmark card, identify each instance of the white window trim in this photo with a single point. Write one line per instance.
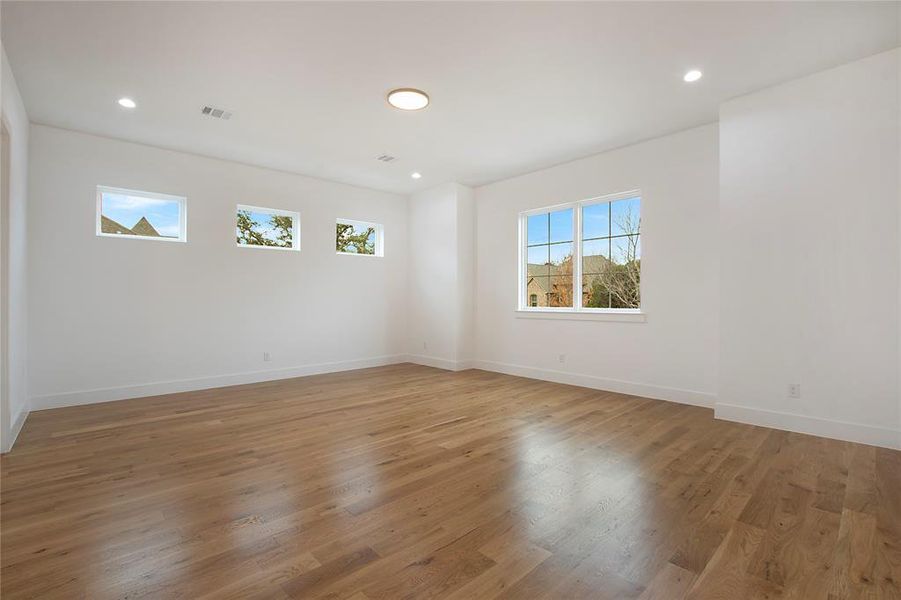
(182, 214)
(295, 230)
(379, 237)
(576, 312)
(625, 315)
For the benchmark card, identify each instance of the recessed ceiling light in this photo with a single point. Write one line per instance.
(416, 175)
(692, 76)
(408, 99)
(127, 102)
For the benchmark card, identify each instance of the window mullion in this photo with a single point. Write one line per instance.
(523, 260)
(577, 257)
(609, 248)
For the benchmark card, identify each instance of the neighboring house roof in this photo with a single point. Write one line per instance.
(590, 264)
(594, 264)
(143, 227)
(107, 225)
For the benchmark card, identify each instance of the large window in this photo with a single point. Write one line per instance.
(268, 228)
(359, 237)
(582, 256)
(131, 214)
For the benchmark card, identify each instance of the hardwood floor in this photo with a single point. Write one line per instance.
(410, 482)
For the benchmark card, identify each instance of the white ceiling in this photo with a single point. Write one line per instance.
(514, 87)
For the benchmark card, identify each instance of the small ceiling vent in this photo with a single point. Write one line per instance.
(216, 113)
(386, 158)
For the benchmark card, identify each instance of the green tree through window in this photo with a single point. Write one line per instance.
(265, 227)
(355, 238)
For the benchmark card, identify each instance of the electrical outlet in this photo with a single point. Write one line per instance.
(267, 357)
(561, 358)
(794, 390)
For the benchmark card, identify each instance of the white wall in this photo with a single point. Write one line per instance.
(671, 356)
(113, 318)
(810, 253)
(14, 396)
(441, 327)
(466, 275)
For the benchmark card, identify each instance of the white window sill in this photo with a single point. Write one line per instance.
(127, 236)
(622, 316)
(259, 247)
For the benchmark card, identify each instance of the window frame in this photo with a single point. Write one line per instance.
(295, 230)
(182, 214)
(523, 309)
(379, 237)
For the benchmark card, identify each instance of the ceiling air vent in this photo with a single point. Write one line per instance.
(386, 158)
(216, 113)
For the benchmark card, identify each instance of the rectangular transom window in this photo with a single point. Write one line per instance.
(359, 237)
(583, 256)
(132, 214)
(268, 228)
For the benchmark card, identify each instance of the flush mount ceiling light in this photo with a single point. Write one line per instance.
(416, 175)
(127, 103)
(692, 76)
(408, 99)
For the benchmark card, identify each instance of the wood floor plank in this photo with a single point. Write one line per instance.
(411, 482)
(727, 576)
(670, 583)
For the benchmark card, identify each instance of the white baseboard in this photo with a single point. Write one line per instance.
(839, 430)
(440, 363)
(646, 390)
(17, 424)
(202, 383)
